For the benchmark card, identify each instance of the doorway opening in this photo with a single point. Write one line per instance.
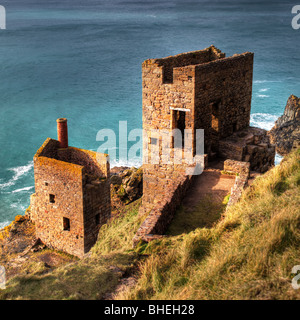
(179, 123)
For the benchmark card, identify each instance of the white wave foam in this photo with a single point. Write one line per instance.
(4, 224)
(262, 96)
(18, 173)
(278, 159)
(263, 120)
(23, 189)
(264, 90)
(265, 81)
(18, 206)
(136, 162)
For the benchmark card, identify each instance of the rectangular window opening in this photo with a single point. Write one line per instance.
(179, 123)
(66, 224)
(234, 127)
(52, 198)
(153, 141)
(215, 116)
(215, 125)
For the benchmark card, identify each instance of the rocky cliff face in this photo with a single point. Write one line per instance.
(127, 183)
(286, 132)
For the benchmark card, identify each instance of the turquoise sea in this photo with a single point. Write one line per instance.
(82, 60)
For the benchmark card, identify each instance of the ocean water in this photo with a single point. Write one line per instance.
(82, 60)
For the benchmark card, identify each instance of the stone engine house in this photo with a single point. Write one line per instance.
(196, 90)
(200, 89)
(72, 194)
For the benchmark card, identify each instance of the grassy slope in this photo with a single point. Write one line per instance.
(89, 278)
(203, 215)
(248, 254)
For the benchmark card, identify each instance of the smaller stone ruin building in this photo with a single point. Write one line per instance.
(72, 194)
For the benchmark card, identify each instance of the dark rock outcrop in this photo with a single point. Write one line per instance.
(286, 132)
(127, 183)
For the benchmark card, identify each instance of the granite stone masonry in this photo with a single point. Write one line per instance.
(195, 90)
(72, 196)
(249, 145)
(242, 171)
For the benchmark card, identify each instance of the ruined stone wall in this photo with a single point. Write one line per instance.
(163, 211)
(162, 98)
(158, 99)
(71, 201)
(239, 167)
(95, 163)
(168, 87)
(242, 169)
(186, 59)
(63, 181)
(48, 149)
(200, 84)
(196, 90)
(250, 145)
(158, 183)
(97, 209)
(223, 91)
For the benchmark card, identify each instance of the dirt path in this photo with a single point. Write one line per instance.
(210, 182)
(203, 204)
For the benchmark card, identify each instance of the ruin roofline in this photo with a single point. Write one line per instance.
(215, 54)
(190, 62)
(50, 150)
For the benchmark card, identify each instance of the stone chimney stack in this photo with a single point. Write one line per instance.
(62, 132)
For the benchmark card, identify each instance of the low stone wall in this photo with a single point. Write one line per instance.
(239, 167)
(242, 169)
(249, 145)
(161, 215)
(236, 191)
